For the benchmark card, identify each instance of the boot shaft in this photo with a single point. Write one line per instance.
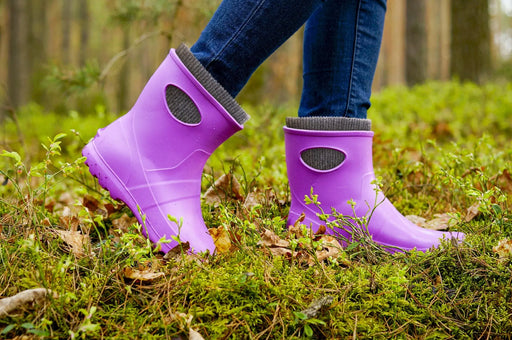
(347, 180)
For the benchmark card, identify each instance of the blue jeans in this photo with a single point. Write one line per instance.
(341, 46)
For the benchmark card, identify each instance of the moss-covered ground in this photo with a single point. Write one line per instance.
(441, 149)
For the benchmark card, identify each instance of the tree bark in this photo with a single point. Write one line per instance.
(470, 40)
(18, 77)
(416, 42)
(37, 46)
(84, 31)
(125, 74)
(66, 31)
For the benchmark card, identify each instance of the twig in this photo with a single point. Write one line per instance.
(125, 52)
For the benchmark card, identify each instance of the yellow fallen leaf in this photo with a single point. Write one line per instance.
(503, 249)
(221, 239)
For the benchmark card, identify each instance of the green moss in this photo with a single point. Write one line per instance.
(440, 147)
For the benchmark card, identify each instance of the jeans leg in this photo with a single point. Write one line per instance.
(243, 33)
(341, 47)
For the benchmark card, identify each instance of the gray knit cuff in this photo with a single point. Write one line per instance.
(211, 85)
(329, 123)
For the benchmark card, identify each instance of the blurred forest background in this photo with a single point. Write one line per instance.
(78, 54)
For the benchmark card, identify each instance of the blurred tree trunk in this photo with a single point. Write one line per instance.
(125, 74)
(470, 40)
(18, 78)
(66, 31)
(416, 42)
(37, 44)
(84, 31)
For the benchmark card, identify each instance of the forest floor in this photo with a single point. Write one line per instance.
(444, 157)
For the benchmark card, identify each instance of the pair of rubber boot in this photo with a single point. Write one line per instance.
(152, 159)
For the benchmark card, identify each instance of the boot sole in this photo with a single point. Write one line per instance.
(107, 179)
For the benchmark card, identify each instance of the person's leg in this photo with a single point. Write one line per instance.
(243, 33)
(341, 47)
(329, 146)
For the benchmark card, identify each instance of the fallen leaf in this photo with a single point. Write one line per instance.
(145, 272)
(321, 230)
(472, 212)
(177, 251)
(66, 198)
(222, 239)
(271, 240)
(418, 220)
(27, 298)
(441, 129)
(503, 181)
(141, 275)
(296, 227)
(90, 203)
(503, 249)
(224, 188)
(194, 335)
(253, 199)
(439, 222)
(124, 222)
(331, 248)
(70, 222)
(78, 243)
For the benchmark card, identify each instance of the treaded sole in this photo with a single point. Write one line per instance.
(107, 178)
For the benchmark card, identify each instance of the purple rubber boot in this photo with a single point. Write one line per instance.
(152, 158)
(350, 178)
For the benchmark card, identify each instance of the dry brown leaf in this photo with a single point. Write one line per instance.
(439, 222)
(70, 222)
(504, 181)
(271, 240)
(295, 228)
(141, 275)
(194, 335)
(221, 239)
(90, 203)
(503, 249)
(124, 222)
(177, 251)
(330, 248)
(321, 230)
(226, 187)
(253, 199)
(418, 220)
(27, 298)
(145, 272)
(66, 198)
(472, 212)
(280, 251)
(78, 243)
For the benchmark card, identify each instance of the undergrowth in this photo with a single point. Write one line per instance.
(440, 148)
